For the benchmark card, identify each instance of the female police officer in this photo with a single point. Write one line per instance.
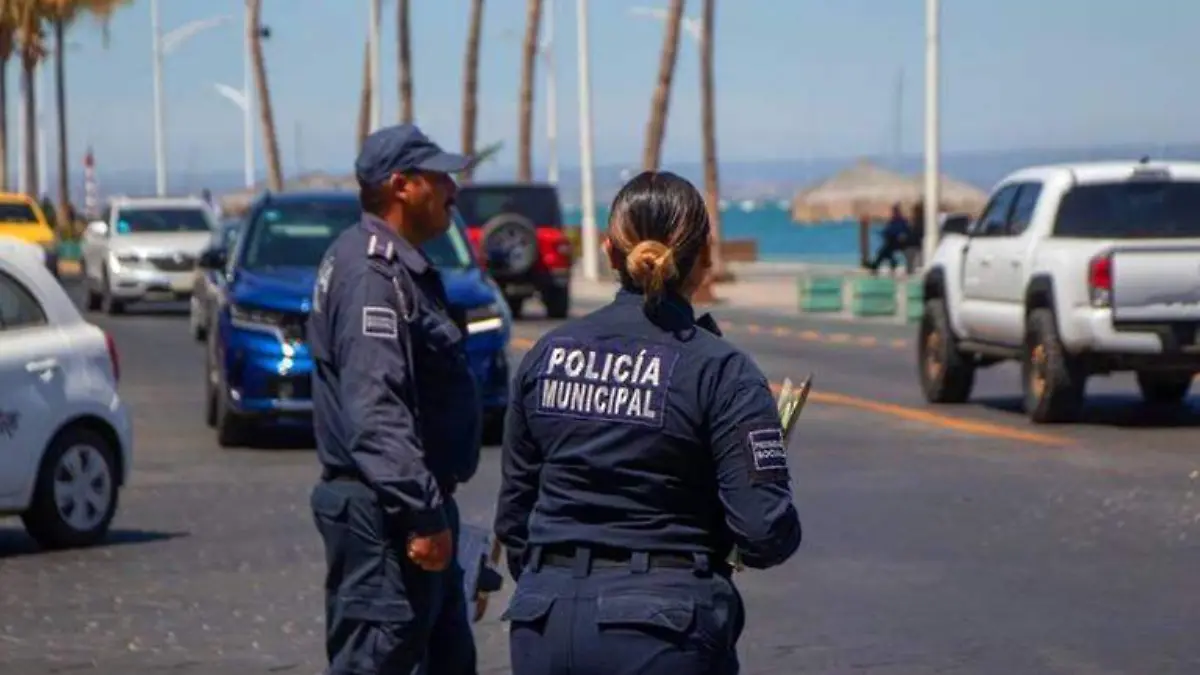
(640, 448)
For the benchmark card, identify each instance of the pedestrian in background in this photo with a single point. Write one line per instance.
(395, 434)
(640, 448)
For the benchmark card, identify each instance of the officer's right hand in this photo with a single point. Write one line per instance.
(431, 553)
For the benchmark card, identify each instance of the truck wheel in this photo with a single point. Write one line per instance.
(1053, 380)
(1164, 388)
(557, 301)
(232, 430)
(947, 375)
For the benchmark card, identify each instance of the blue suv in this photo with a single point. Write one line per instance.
(259, 368)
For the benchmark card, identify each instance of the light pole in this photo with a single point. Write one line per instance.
(587, 189)
(244, 100)
(932, 132)
(162, 46)
(547, 52)
(373, 36)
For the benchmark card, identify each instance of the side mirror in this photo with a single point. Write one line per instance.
(956, 224)
(97, 228)
(212, 259)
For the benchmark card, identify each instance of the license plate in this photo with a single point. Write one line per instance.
(181, 286)
(519, 289)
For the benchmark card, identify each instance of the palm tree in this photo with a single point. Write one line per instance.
(265, 114)
(708, 123)
(470, 112)
(364, 99)
(656, 130)
(29, 15)
(60, 14)
(533, 21)
(404, 47)
(8, 32)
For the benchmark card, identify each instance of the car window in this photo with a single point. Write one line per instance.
(1023, 206)
(995, 217)
(166, 219)
(18, 307)
(1135, 209)
(17, 212)
(297, 234)
(480, 204)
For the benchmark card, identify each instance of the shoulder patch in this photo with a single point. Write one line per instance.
(380, 322)
(324, 274)
(384, 250)
(605, 382)
(766, 454)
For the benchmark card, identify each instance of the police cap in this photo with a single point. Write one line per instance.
(401, 148)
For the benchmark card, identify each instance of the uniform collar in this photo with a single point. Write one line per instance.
(673, 312)
(386, 242)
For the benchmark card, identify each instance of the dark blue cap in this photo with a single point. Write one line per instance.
(403, 148)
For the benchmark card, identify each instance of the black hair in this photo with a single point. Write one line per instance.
(658, 226)
(371, 197)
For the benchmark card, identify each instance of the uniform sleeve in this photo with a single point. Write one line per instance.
(521, 466)
(375, 380)
(752, 473)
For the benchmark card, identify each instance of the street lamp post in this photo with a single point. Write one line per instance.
(547, 51)
(162, 46)
(587, 188)
(932, 131)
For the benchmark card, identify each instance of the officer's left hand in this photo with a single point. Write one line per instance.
(431, 553)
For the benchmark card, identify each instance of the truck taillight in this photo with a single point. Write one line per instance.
(113, 357)
(1100, 280)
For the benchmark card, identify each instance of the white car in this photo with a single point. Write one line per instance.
(1073, 271)
(65, 434)
(146, 250)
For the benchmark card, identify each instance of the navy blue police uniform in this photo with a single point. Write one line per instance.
(397, 423)
(640, 448)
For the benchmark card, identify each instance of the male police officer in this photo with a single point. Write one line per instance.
(396, 415)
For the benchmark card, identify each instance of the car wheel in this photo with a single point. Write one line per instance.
(557, 300)
(515, 306)
(210, 394)
(509, 242)
(232, 430)
(109, 304)
(1164, 388)
(947, 375)
(199, 331)
(75, 498)
(1053, 381)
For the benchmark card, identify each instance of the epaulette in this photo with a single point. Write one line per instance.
(385, 252)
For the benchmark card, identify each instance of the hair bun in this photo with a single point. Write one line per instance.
(651, 265)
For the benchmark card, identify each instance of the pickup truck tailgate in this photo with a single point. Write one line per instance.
(1156, 284)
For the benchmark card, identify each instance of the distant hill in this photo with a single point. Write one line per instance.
(775, 179)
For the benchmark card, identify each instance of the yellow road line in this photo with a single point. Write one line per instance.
(909, 414)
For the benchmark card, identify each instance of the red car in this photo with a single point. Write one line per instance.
(517, 232)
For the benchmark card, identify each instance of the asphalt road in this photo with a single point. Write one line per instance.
(937, 540)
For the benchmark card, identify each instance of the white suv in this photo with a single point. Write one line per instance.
(1073, 271)
(65, 439)
(145, 250)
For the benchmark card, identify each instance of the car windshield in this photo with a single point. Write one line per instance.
(480, 204)
(166, 219)
(1135, 209)
(17, 212)
(297, 234)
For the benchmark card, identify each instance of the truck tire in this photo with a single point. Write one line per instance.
(1052, 380)
(947, 374)
(1164, 388)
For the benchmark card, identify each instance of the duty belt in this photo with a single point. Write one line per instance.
(582, 558)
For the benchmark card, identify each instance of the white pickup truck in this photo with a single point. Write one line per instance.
(1074, 271)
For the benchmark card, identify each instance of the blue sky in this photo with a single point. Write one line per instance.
(795, 78)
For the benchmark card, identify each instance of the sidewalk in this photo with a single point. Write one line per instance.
(772, 288)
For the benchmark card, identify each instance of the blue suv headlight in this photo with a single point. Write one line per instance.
(485, 318)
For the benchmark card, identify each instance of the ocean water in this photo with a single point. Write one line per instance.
(779, 239)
